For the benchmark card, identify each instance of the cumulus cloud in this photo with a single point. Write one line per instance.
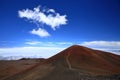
(45, 16)
(51, 10)
(40, 32)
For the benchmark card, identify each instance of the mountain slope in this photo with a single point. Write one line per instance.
(12, 67)
(76, 57)
(75, 63)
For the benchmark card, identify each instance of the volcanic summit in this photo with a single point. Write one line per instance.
(74, 63)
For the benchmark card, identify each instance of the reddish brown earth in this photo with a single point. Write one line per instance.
(12, 67)
(95, 62)
(74, 63)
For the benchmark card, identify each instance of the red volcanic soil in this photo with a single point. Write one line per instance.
(91, 61)
(75, 63)
(12, 67)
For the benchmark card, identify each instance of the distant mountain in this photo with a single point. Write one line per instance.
(75, 63)
(10, 57)
(18, 57)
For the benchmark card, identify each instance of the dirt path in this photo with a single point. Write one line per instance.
(67, 60)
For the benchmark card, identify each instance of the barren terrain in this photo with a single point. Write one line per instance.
(73, 63)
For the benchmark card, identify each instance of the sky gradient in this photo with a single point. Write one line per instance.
(92, 23)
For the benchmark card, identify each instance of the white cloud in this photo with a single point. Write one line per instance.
(49, 44)
(40, 32)
(65, 43)
(52, 19)
(49, 49)
(44, 52)
(33, 42)
(38, 43)
(102, 43)
(51, 10)
(110, 46)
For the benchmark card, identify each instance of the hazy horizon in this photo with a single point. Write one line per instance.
(43, 28)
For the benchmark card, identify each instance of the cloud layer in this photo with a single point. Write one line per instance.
(48, 44)
(109, 44)
(40, 15)
(47, 49)
(44, 52)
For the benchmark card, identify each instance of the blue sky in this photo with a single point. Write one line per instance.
(92, 23)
